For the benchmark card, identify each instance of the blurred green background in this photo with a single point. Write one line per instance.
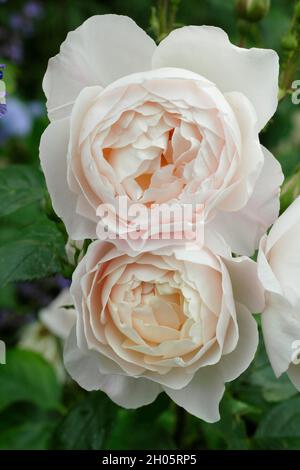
(39, 407)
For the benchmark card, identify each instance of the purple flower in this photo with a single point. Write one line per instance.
(16, 21)
(33, 10)
(18, 120)
(14, 51)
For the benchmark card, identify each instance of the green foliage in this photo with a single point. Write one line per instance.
(20, 185)
(151, 425)
(27, 377)
(31, 246)
(30, 401)
(230, 432)
(258, 410)
(34, 253)
(26, 428)
(87, 425)
(280, 429)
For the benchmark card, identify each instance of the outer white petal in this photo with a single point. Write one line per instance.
(281, 252)
(243, 229)
(284, 224)
(201, 397)
(103, 49)
(53, 156)
(265, 273)
(281, 327)
(234, 364)
(130, 392)
(208, 51)
(84, 368)
(247, 289)
(56, 318)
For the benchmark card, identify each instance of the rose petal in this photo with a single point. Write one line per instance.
(208, 51)
(53, 156)
(201, 397)
(247, 288)
(232, 365)
(242, 230)
(84, 367)
(281, 327)
(103, 49)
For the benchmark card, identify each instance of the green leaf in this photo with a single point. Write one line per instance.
(148, 424)
(32, 253)
(273, 389)
(8, 297)
(280, 427)
(26, 428)
(87, 425)
(20, 185)
(27, 377)
(259, 387)
(261, 375)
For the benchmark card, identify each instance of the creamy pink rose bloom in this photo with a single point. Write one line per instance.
(177, 122)
(173, 320)
(279, 272)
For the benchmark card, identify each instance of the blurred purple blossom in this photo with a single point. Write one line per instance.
(17, 122)
(16, 21)
(33, 9)
(14, 51)
(20, 24)
(19, 118)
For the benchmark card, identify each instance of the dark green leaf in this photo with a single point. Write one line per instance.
(20, 185)
(32, 253)
(149, 428)
(273, 389)
(26, 428)
(259, 386)
(280, 428)
(27, 377)
(87, 425)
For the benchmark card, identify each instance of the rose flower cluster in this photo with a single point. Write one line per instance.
(162, 126)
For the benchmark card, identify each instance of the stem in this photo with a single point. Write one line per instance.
(291, 61)
(163, 6)
(163, 21)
